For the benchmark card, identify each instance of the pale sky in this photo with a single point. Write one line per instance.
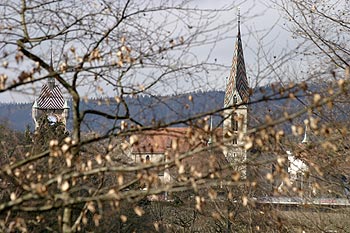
(261, 27)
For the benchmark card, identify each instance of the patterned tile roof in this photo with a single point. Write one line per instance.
(238, 77)
(50, 98)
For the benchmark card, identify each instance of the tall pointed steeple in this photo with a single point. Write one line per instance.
(236, 109)
(237, 80)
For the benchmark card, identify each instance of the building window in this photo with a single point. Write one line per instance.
(234, 141)
(235, 99)
(300, 181)
(234, 122)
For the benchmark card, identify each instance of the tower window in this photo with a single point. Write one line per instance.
(234, 122)
(234, 141)
(235, 99)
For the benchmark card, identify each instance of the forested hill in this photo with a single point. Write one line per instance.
(146, 109)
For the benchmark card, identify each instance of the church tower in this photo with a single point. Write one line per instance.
(50, 106)
(236, 109)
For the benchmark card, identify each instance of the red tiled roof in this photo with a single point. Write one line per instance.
(176, 139)
(182, 140)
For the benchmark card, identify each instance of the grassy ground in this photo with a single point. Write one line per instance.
(316, 220)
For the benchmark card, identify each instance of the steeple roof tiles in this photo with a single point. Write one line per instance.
(50, 98)
(238, 76)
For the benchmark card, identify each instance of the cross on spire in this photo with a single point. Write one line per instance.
(239, 20)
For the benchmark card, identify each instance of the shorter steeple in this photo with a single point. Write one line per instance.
(50, 104)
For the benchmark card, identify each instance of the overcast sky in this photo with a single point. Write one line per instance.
(257, 18)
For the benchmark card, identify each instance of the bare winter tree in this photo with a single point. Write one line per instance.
(98, 178)
(93, 49)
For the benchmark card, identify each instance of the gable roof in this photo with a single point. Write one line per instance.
(159, 140)
(170, 141)
(182, 139)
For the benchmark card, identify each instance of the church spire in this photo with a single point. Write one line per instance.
(236, 110)
(51, 80)
(237, 81)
